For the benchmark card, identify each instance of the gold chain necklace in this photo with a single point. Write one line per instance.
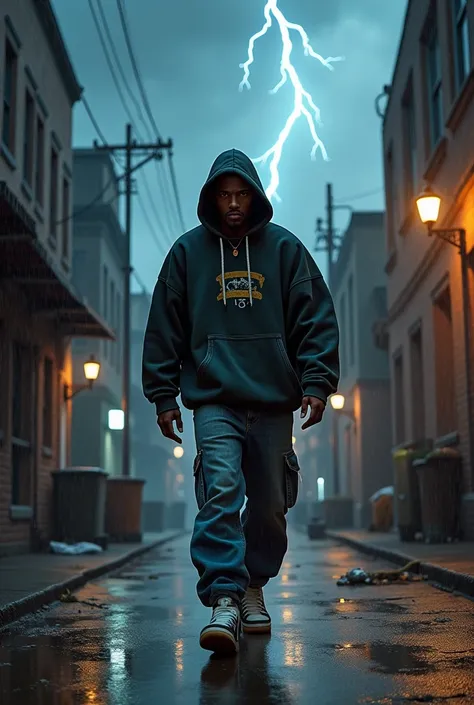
(235, 250)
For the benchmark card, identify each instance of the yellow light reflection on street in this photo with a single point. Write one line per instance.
(284, 578)
(287, 615)
(293, 650)
(178, 654)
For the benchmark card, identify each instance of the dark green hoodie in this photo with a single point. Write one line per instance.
(265, 339)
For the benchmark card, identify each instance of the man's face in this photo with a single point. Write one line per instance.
(234, 200)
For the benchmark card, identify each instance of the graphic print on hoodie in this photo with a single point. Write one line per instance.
(254, 331)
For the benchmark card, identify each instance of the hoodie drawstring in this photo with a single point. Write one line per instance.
(247, 252)
(223, 272)
(249, 270)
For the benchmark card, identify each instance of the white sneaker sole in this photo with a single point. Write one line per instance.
(257, 628)
(218, 640)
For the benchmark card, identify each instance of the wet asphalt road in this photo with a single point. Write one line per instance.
(330, 645)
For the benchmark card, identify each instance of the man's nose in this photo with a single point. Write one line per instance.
(234, 203)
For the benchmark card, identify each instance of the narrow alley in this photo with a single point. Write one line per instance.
(133, 639)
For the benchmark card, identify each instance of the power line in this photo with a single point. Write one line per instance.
(358, 196)
(118, 63)
(154, 236)
(136, 70)
(110, 63)
(143, 93)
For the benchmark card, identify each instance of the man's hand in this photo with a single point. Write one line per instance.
(165, 422)
(317, 407)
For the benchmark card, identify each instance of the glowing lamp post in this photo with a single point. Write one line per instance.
(337, 401)
(178, 452)
(428, 204)
(91, 373)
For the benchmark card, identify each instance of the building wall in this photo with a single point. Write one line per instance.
(37, 72)
(364, 440)
(26, 520)
(420, 267)
(43, 455)
(98, 263)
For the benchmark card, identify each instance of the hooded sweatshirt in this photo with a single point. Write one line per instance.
(255, 331)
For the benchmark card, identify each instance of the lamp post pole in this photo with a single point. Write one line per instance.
(467, 324)
(335, 452)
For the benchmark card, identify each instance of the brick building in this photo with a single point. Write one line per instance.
(40, 310)
(428, 139)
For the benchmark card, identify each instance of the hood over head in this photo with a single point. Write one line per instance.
(233, 161)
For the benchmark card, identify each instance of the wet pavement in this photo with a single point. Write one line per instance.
(133, 640)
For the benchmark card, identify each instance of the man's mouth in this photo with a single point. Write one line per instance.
(234, 216)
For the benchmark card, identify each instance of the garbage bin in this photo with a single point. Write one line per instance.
(123, 518)
(407, 494)
(79, 495)
(439, 476)
(382, 510)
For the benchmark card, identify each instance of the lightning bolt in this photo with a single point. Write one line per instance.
(304, 104)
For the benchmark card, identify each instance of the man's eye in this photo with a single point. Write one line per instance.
(244, 193)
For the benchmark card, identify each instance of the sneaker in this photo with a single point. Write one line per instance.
(222, 633)
(255, 618)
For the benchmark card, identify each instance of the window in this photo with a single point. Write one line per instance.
(409, 143)
(350, 307)
(343, 336)
(446, 417)
(39, 167)
(48, 403)
(417, 385)
(28, 139)
(22, 421)
(462, 57)
(9, 98)
(399, 398)
(435, 93)
(53, 196)
(105, 313)
(66, 220)
(389, 201)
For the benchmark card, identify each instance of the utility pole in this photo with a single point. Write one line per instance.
(326, 237)
(151, 151)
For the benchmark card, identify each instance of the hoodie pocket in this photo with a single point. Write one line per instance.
(249, 368)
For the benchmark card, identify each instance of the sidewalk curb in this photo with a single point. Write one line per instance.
(34, 602)
(449, 579)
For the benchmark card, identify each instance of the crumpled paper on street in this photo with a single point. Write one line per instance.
(74, 549)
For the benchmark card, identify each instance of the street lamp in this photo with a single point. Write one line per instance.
(338, 402)
(91, 372)
(428, 204)
(178, 452)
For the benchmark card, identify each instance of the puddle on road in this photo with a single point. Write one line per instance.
(344, 606)
(393, 659)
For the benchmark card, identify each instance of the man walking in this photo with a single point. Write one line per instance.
(243, 326)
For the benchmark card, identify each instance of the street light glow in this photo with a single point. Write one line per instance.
(337, 401)
(178, 452)
(428, 204)
(116, 420)
(91, 369)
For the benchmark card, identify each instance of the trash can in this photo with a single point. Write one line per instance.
(439, 476)
(407, 493)
(153, 516)
(123, 518)
(382, 510)
(79, 495)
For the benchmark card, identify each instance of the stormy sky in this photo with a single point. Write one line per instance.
(189, 54)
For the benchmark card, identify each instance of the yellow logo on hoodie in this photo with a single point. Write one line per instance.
(237, 285)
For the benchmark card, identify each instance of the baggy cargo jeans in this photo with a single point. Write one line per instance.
(239, 454)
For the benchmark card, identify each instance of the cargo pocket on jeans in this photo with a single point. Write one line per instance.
(199, 484)
(292, 479)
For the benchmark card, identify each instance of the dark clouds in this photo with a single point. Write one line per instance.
(190, 53)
